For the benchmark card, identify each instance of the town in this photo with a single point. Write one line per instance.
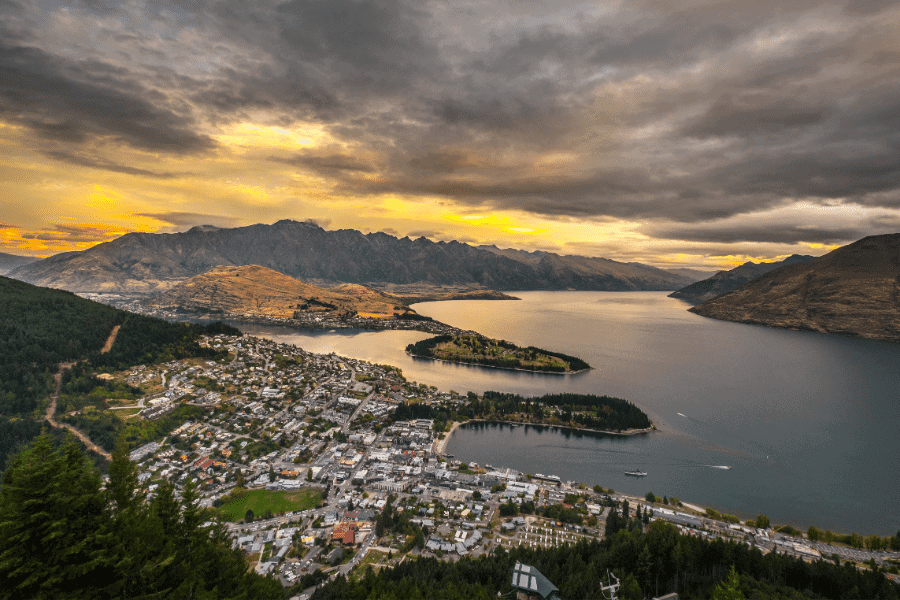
(300, 455)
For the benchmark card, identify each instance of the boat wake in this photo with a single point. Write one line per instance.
(718, 466)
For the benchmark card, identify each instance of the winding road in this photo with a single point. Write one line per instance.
(51, 409)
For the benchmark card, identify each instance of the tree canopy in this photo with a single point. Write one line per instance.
(62, 536)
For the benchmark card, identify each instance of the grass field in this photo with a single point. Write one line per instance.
(259, 501)
(372, 557)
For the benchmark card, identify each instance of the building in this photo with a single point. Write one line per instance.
(531, 585)
(345, 533)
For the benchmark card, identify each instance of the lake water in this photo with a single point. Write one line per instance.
(808, 422)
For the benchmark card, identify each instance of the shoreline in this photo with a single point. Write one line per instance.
(458, 362)
(625, 433)
(440, 445)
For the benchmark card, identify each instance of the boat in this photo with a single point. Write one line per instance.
(636, 473)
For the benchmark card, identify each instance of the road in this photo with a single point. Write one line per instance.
(51, 410)
(359, 409)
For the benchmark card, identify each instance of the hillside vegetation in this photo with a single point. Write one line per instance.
(41, 328)
(584, 411)
(487, 352)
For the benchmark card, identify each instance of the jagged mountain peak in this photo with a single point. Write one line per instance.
(146, 262)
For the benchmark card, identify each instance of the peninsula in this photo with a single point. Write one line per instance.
(584, 412)
(479, 350)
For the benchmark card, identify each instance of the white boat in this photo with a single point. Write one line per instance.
(636, 473)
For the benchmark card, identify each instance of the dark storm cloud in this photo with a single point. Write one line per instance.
(441, 161)
(326, 163)
(755, 113)
(76, 102)
(105, 165)
(318, 59)
(775, 234)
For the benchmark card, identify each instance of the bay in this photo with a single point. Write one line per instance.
(807, 421)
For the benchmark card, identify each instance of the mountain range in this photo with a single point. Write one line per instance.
(725, 281)
(150, 262)
(853, 290)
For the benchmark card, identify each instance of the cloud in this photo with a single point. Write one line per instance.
(182, 221)
(76, 233)
(326, 163)
(319, 222)
(71, 101)
(105, 165)
(828, 225)
(424, 233)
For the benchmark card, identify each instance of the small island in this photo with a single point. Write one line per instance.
(474, 349)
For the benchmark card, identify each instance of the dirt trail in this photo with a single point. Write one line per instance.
(110, 340)
(51, 409)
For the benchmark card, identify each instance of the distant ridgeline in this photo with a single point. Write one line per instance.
(42, 327)
(484, 351)
(583, 411)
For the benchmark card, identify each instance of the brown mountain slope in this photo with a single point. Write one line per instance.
(853, 290)
(725, 281)
(260, 291)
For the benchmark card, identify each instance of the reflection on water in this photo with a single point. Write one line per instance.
(808, 421)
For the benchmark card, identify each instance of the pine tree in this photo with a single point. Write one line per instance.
(730, 588)
(55, 537)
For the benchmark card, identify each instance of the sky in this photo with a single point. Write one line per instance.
(674, 133)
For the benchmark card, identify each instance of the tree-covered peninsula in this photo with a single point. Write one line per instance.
(579, 411)
(473, 349)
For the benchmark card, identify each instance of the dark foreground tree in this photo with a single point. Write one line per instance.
(55, 534)
(62, 536)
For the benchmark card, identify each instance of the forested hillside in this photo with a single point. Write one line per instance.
(41, 327)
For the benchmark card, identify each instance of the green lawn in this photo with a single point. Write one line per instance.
(259, 501)
(372, 557)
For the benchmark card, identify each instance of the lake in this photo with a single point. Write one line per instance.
(807, 421)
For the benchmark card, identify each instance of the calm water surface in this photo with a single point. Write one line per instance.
(807, 421)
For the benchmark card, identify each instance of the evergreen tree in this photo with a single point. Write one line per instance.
(61, 536)
(54, 533)
(729, 589)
